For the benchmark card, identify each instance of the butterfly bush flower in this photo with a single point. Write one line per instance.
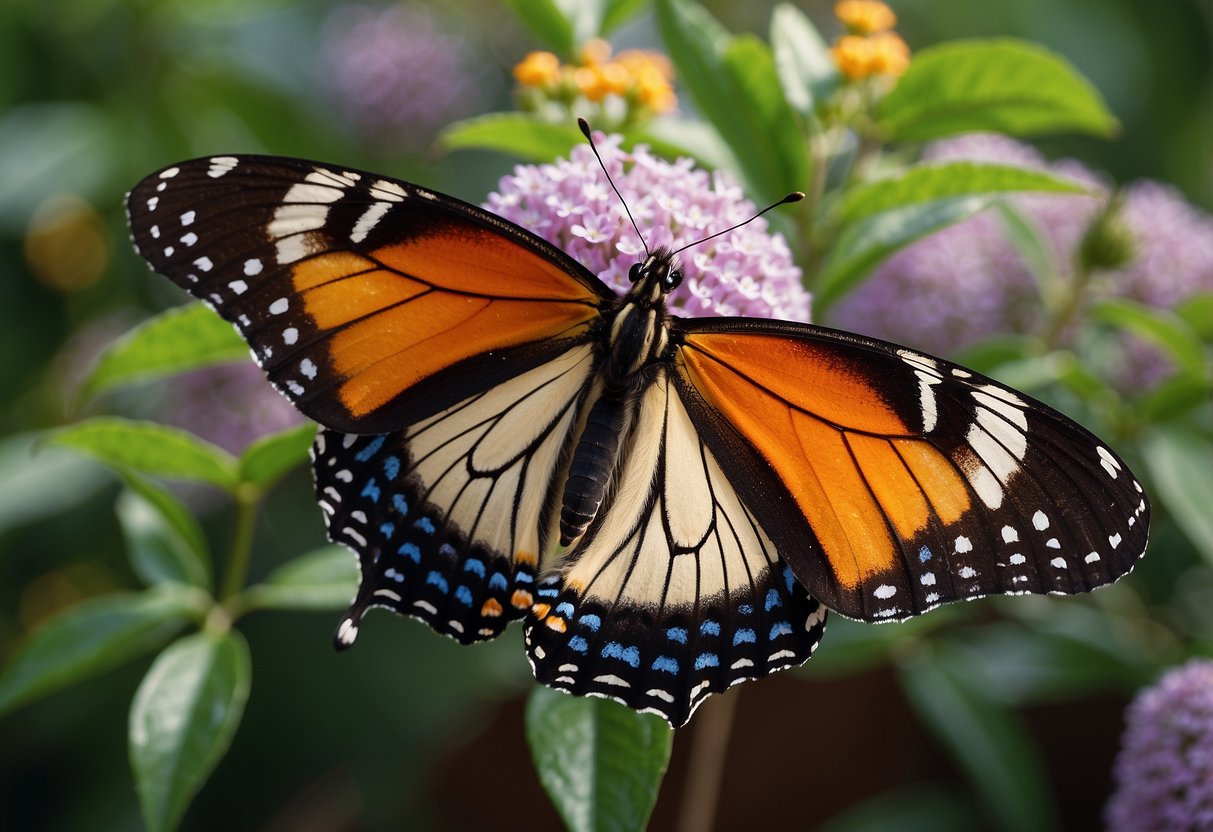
(1164, 772)
(748, 271)
(966, 282)
(395, 74)
(229, 405)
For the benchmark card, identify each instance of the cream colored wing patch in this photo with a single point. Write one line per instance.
(447, 517)
(675, 553)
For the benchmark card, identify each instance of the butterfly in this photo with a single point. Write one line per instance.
(671, 505)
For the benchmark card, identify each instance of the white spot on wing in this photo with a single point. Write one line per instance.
(885, 591)
(290, 335)
(238, 286)
(252, 267)
(369, 219)
(1040, 520)
(188, 217)
(279, 306)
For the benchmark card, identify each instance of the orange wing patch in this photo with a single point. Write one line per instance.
(468, 259)
(861, 477)
(409, 310)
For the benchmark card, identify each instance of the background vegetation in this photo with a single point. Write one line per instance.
(996, 712)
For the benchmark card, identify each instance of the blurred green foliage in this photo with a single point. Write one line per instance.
(1004, 712)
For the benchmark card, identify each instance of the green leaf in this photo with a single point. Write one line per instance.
(601, 762)
(326, 579)
(548, 21)
(94, 636)
(516, 134)
(802, 59)
(1172, 397)
(1005, 86)
(1177, 458)
(763, 133)
(1197, 312)
(149, 448)
(1160, 327)
(267, 459)
(987, 741)
(185, 338)
(734, 84)
(918, 807)
(863, 245)
(673, 137)
(929, 181)
(617, 12)
(163, 540)
(182, 721)
(42, 485)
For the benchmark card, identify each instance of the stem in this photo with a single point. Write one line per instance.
(247, 498)
(1069, 307)
(701, 791)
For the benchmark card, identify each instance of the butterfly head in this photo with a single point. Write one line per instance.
(658, 274)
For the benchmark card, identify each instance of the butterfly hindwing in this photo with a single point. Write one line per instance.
(675, 592)
(369, 302)
(893, 482)
(449, 517)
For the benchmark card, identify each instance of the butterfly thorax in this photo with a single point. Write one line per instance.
(638, 338)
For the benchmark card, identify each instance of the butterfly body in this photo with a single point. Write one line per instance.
(669, 504)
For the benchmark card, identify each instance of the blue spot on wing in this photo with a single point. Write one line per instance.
(463, 595)
(709, 628)
(678, 634)
(498, 582)
(744, 636)
(772, 599)
(436, 579)
(371, 490)
(391, 467)
(425, 524)
(780, 628)
(371, 449)
(387, 530)
(666, 664)
(410, 551)
(590, 622)
(629, 655)
(474, 565)
(578, 644)
(924, 554)
(706, 660)
(400, 504)
(565, 609)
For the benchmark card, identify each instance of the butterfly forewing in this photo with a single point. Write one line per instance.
(914, 481)
(370, 302)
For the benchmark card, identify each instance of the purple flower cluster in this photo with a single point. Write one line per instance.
(569, 203)
(229, 405)
(967, 282)
(1164, 772)
(395, 74)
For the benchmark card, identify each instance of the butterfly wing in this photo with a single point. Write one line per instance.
(371, 303)
(892, 482)
(444, 351)
(675, 591)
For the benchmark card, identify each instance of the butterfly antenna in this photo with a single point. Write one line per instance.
(795, 196)
(585, 130)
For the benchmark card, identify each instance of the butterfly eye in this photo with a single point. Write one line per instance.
(673, 279)
(634, 272)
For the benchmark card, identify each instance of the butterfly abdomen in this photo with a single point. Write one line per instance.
(591, 468)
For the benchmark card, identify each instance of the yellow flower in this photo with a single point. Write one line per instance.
(890, 54)
(595, 52)
(537, 69)
(853, 56)
(884, 53)
(864, 17)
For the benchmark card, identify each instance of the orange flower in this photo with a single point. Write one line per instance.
(890, 54)
(537, 69)
(884, 53)
(864, 17)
